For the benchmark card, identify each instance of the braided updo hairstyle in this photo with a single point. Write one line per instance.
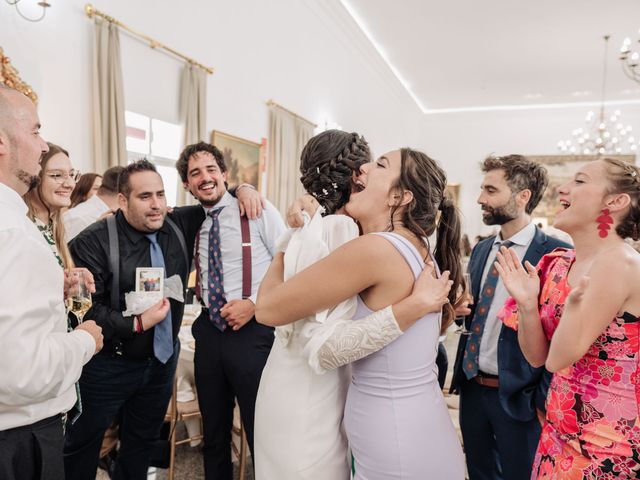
(327, 163)
(625, 178)
(422, 176)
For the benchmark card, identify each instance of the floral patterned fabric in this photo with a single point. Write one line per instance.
(593, 426)
(47, 232)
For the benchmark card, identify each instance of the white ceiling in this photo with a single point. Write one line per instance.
(483, 54)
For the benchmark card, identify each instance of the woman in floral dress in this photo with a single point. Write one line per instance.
(577, 313)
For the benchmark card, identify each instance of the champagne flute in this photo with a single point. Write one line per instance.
(80, 301)
(465, 293)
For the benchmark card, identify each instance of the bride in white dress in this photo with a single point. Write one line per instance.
(300, 403)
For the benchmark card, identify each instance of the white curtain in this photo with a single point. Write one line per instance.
(288, 135)
(109, 130)
(193, 101)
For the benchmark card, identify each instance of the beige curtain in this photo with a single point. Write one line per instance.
(109, 130)
(288, 135)
(193, 101)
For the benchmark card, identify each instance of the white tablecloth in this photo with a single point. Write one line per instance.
(186, 385)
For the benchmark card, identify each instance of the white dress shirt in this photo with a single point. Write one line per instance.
(82, 215)
(264, 233)
(488, 356)
(39, 360)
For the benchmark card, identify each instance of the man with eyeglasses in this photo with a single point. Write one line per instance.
(39, 359)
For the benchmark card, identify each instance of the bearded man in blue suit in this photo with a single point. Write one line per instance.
(501, 396)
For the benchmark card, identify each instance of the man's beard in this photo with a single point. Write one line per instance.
(500, 215)
(31, 181)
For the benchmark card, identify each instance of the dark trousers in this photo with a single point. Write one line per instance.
(228, 365)
(32, 452)
(496, 446)
(442, 362)
(141, 389)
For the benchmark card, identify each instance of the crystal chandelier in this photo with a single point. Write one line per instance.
(603, 134)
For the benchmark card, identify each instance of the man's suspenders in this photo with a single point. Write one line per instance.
(246, 260)
(246, 256)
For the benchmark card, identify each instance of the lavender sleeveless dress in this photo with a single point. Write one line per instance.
(396, 419)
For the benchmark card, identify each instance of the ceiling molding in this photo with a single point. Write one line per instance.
(345, 29)
(530, 106)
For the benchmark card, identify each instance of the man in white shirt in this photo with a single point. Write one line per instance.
(40, 361)
(501, 395)
(81, 216)
(231, 347)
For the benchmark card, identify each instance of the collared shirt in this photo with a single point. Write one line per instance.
(488, 357)
(39, 360)
(264, 233)
(82, 215)
(90, 249)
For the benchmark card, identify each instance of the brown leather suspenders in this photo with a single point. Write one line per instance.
(246, 260)
(246, 256)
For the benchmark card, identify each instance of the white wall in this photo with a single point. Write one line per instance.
(304, 54)
(460, 141)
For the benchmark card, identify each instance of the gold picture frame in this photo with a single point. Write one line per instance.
(454, 192)
(241, 157)
(9, 76)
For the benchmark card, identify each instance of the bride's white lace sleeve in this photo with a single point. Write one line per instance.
(330, 338)
(339, 342)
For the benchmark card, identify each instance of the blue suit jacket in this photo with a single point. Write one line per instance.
(522, 387)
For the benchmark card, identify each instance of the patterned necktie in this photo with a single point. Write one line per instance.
(472, 350)
(216, 274)
(163, 331)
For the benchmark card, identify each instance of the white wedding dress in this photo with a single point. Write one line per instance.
(300, 404)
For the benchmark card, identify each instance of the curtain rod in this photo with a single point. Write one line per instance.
(271, 103)
(91, 11)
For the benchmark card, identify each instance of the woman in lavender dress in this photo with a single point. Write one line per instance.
(396, 420)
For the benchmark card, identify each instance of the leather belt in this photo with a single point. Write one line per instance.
(487, 380)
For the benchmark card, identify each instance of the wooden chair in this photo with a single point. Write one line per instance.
(181, 411)
(239, 445)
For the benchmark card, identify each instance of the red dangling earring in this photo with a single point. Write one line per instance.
(604, 222)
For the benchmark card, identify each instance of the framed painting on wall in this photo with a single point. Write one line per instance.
(561, 169)
(454, 192)
(241, 157)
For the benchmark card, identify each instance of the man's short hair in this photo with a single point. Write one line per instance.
(182, 165)
(142, 165)
(520, 174)
(110, 181)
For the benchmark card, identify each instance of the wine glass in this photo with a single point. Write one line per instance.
(79, 302)
(465, 293)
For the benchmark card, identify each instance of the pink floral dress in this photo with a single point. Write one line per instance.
(592, 428)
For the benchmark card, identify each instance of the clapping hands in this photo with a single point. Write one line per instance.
(523, 285)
